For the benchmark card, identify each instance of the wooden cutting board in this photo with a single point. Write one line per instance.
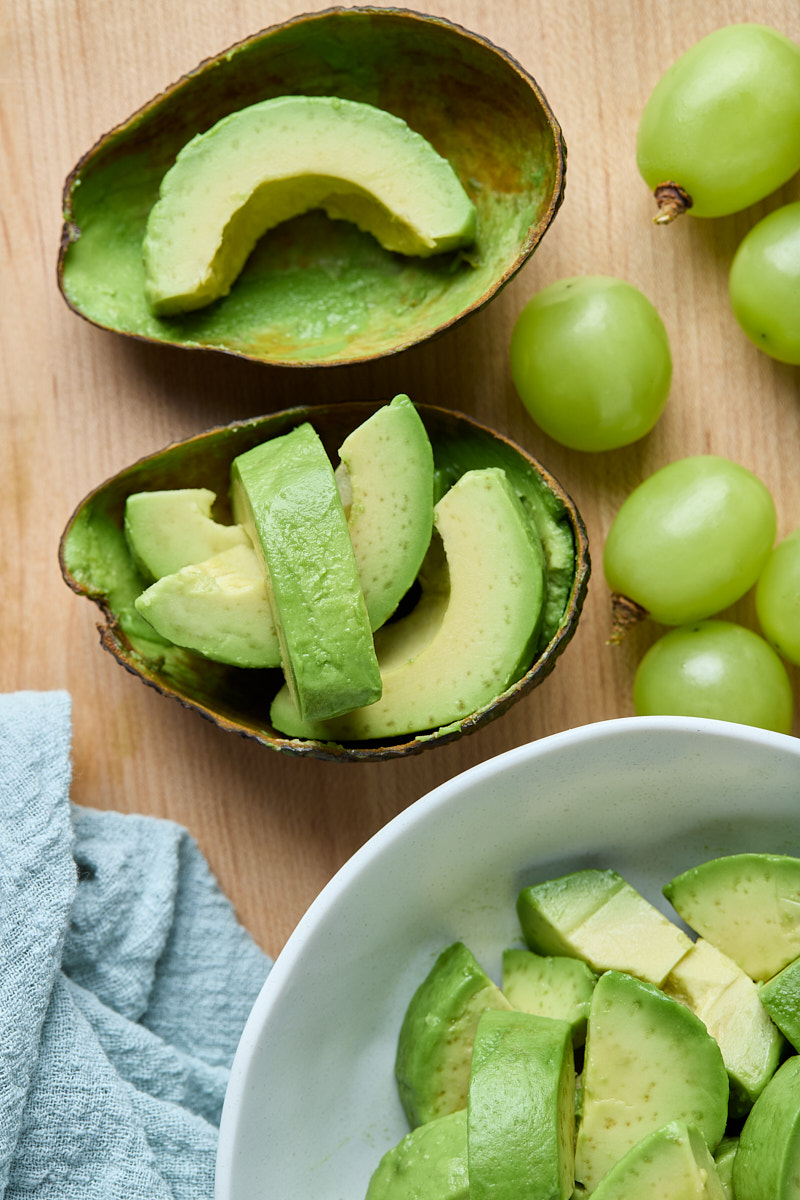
(79, 404)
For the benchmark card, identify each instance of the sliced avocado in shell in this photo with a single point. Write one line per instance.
(96, 563)
(318, 291)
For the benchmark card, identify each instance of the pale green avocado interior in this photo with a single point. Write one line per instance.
(96, 561)
(318, 290)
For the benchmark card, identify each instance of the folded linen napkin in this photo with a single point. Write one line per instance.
(125, 982)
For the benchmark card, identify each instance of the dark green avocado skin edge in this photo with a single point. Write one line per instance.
(471, 100)
(95, 563)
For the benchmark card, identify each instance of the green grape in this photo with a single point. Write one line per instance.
(765, 284)
(715, 669)
(721, 128)
(688, 541)
(591, 361)
(778, 597)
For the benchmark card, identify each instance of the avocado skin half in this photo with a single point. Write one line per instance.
(319, 292)
(95, 563)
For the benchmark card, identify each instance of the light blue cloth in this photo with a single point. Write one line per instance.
(125, 982)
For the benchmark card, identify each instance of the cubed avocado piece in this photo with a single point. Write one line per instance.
(520, 1125)
(781, 998)
(284, 493)
(168, 530)
(747, 905)
(767, 1162)
(431, 1160)
(549, 986)
(728, 1003)
(597, 916)
(724, 1157)
(434, 1048)
(671, 1163)
(649, 1061)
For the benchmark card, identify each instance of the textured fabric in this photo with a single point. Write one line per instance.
(125, 982)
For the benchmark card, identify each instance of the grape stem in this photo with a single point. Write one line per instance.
(625, 613)
(672, 202)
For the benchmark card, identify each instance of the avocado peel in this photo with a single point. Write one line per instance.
(96, 563)
(316, 291)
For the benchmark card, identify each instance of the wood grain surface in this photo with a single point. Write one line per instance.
(79, 404)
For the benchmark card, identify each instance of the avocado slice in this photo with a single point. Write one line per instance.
(598, 916)
(520, 1112)
(729, 1005)
(434, 1047)
(168, 530)
(218, 608)
(385, 479)
(767, 1162)
(649, 1061)
(781, 998)
(284, 493)
(550, 986)
(431, 1160)
(747, 905)
(672, 1162)
(268, 162)
(475, 634)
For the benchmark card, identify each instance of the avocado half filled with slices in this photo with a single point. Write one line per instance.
(344, 90)
(483, 486)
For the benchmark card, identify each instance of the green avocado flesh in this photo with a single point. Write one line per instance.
(218, 607)
(780, 997)
(520, 1109)
(476, 644)
(275, 160)
(285, 495)
(767, 1162)
(597, 915)
(649, 1060)
(434, 1049)
(549, 987)
(748, 905)
(385, 479)
(650, 1114)
(397, 466)
(315, 289)
(168, 530)
(430, 1161)
(671, 1163)
(730, 1006)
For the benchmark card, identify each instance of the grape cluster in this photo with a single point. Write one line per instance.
(591, 362)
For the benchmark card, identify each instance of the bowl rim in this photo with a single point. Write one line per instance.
(401, 826)
(70, 231)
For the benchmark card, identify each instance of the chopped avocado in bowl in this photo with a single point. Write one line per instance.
(407, 949)
(413, 169)
(354, 581)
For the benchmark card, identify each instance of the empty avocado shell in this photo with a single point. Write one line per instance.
(96, 563)
(316, 291)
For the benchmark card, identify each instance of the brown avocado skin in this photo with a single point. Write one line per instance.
(453, 88)
(96, 563)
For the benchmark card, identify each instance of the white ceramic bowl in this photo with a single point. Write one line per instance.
(312, 1104)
